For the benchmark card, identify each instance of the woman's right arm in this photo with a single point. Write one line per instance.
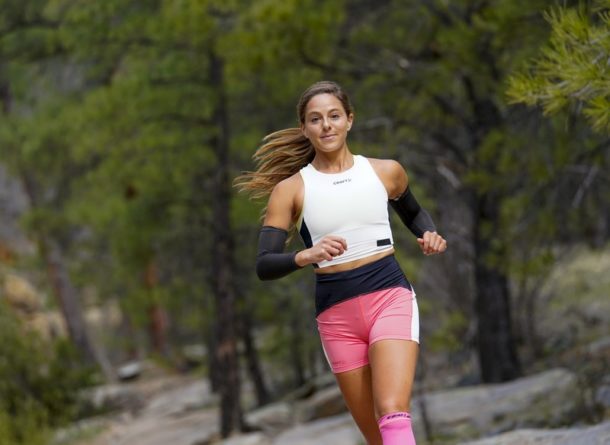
(271, 261)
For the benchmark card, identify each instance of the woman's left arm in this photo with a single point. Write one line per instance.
(416, 218)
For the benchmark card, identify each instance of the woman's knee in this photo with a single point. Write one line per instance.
(388, 406)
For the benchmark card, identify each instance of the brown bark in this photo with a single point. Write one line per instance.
(496, 347)
(296, 350)
(253, 360)
(223, 268)
(495, 344)
(71, 308)
(67, 299)
(157, 316)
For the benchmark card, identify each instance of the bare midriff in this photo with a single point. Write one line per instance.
(354, 264)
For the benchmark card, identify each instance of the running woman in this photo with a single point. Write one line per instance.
(366, 309)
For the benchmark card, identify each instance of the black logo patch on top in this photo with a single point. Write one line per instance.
(342, 181)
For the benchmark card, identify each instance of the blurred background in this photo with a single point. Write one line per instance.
(129, 308)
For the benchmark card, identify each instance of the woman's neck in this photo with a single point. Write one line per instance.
(335, 162)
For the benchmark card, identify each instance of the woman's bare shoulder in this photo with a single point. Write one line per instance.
(385, 164)
(387, 167)
(392, 174)
(289, 186)
(285, 202)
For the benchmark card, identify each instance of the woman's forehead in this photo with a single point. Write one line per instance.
(323, 103)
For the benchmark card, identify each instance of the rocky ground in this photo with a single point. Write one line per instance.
(182, 411)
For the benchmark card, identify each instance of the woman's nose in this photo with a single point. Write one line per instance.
(326, 123)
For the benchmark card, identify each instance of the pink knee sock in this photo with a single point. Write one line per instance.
(396, 429)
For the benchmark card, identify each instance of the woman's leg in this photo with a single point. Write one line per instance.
(357, 392)
(393, 371)
(392, 365)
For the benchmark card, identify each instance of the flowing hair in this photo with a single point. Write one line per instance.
(284, 152)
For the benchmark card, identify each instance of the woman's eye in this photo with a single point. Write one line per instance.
(315, 119)
(336, 116)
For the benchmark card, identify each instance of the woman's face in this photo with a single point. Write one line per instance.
(326, 123)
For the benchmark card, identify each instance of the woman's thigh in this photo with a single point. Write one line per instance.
(392, 365)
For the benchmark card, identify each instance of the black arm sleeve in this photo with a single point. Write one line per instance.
(412, 215)
(271, 262)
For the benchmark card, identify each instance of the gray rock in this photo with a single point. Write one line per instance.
(200, 427)
(194, 354)
(336, 430)
(325, 403)
(271, 417)
(594, 435)
(111, 397)
(73, 432)
(248, 439)
(548, 399)
(129, 371)
(602, 396)
(600, 347)
(322, 381)
(192, 396)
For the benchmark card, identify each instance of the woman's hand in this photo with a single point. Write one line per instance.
(432, 243)
(328, 247)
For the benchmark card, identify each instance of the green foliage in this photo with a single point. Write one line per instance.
(38, 383)
(449, 336)
(112, 123)
(573, 66)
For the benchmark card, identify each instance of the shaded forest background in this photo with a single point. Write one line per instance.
(124, 124)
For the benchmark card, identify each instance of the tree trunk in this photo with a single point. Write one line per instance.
(212, 359)
(495, 343)
(222, 262)
(157, 316)
(71, 308)
(63, 289)
(252, 360)
(67, 299)
(296, 349)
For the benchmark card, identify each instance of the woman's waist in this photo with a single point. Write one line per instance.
(354, 264)
(332, 288)
(386, 266)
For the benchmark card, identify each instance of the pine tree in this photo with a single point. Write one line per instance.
(572, 68)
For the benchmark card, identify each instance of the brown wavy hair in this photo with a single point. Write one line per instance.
(284, 152)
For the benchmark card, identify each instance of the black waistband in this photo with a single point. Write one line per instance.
(333, 288)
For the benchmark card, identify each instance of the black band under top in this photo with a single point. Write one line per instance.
(333, 288)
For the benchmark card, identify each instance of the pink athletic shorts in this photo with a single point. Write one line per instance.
(347, 329)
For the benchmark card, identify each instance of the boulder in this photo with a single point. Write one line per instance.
(336, 430)
(194, 355)
(602, 394)
(111, 397)
(248, 439)
(189, 397)
(272, 417)
(593, 435)
(600, 347)
(195, 428)
(548, 399)
(320, 382)
(129, 371)
(325, 403)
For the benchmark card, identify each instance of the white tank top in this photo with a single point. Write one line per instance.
(352, 204)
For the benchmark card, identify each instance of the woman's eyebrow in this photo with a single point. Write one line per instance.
(333, 110)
